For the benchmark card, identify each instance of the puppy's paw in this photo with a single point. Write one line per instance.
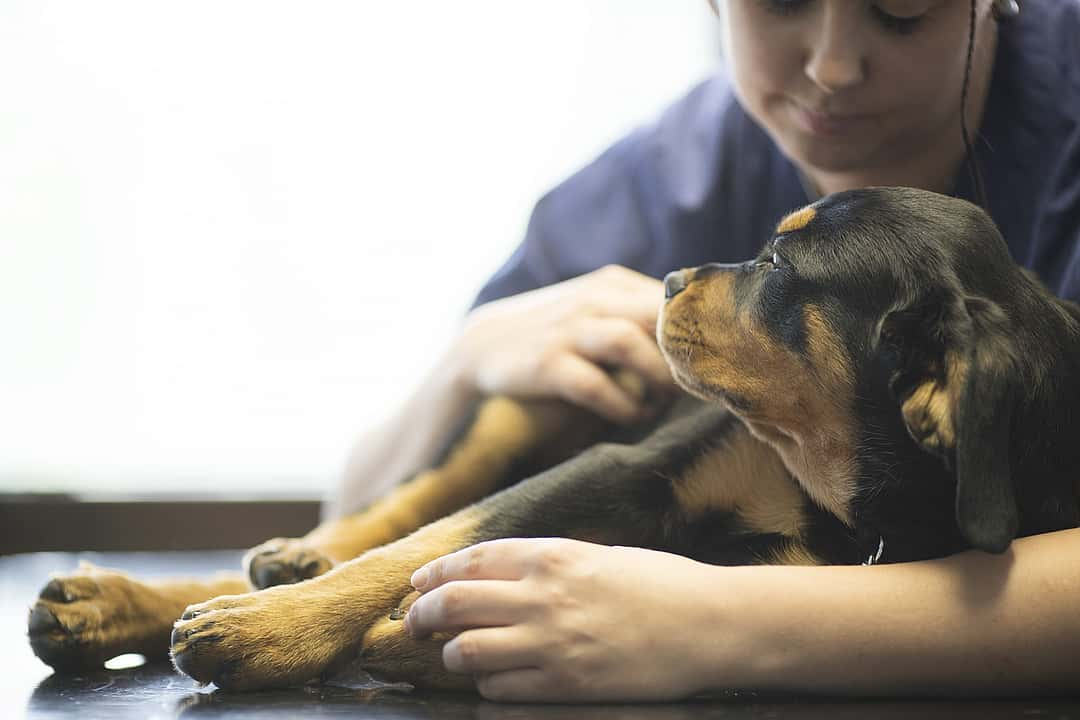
(283, 561)
(80, 621)
(270, 638)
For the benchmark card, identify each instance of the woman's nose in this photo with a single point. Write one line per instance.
(835, 60)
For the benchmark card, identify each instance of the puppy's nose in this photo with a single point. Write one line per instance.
(674, 283)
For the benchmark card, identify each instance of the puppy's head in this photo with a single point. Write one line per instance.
(889, 298)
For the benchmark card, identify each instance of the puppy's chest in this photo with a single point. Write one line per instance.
(836, 513)
(743, 477)
(906, 521)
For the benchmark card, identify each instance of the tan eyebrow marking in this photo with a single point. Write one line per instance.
(796, 220)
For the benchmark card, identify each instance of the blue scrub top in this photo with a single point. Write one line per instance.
(704, 183)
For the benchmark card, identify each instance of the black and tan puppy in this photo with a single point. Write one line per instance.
(881, 384)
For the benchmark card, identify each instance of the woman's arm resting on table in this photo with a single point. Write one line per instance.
(565, 620)
(969, 624)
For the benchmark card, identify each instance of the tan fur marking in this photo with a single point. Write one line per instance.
(744, 476)
(931, 407)
(796, 220)
(823, 454)
(794, 554)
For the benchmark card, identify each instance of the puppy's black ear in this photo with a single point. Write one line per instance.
(951, 373)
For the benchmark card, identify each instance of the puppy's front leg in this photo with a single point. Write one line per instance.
(288, 634)
(615, 494)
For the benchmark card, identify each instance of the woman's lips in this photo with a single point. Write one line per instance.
(816, 122)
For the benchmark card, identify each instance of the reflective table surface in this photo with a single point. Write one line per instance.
(29, 689)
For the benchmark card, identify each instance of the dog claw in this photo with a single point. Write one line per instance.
(55, 591)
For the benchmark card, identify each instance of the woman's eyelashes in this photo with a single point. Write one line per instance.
(900, 24)
(783, 7)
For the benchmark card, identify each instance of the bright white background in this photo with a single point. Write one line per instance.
(234, 232)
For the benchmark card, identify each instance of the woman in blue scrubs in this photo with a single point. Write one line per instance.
(817, 96)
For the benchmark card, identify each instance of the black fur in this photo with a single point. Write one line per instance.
(917, 288)
(906, 275)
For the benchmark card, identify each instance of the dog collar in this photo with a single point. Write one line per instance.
(876, 557)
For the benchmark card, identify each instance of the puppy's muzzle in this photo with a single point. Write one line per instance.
(677, 281)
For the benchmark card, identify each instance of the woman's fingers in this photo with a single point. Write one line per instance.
(488, 650)
(521, 685)
(620, 342)
(492, 560)
(582, 383)
(557, 342)
(455, 606)
(634, 296)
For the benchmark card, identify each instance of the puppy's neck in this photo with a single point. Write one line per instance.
(823, 464)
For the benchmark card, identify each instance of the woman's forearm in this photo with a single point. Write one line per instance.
(969, 624)
(549, 343)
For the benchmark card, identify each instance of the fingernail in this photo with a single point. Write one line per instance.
(405, 624)
(420, 578)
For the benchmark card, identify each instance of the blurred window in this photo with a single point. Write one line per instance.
(234, 233)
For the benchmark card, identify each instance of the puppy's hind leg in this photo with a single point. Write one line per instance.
(505, 441)
(79, 621)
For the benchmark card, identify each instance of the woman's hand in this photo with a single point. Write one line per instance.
(563, 620)
(551, 342)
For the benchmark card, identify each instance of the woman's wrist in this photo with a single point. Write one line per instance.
(456, 374)
(741, 629)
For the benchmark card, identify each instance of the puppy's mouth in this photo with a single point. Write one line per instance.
(679, 345)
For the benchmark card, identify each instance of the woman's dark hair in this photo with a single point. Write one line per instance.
(972, 161)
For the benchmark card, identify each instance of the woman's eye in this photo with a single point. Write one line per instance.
(899, 24)
(783, 7)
